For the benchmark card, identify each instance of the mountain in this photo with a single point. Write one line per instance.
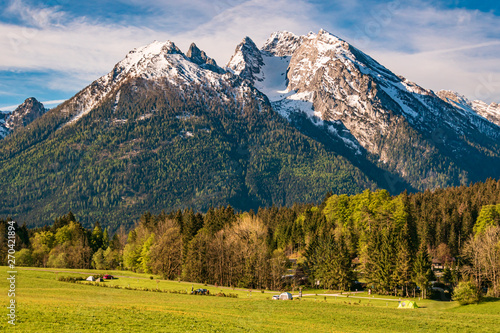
(164, 130)
(487, 111)
(22, 116)
(280, 124)
(328, 88)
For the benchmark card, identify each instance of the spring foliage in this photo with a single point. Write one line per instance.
(389, 241)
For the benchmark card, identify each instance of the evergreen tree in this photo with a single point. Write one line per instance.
(403, 268)
(96, 238)
(422, 272)
(105, 239)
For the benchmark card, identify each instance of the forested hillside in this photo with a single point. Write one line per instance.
(388, 241)
(164, 150)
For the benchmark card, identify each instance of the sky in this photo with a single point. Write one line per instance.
(52, 49)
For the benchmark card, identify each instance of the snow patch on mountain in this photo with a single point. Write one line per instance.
(271, 80)
(395, 94)
(303, 103)
(117, 99)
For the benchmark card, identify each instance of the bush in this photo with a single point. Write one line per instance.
(24, 257)
(467, 293)
(69, 279)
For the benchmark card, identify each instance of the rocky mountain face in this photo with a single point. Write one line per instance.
(4, 131)
(301, 116)
(487, 111)
(246, 61)
(200, 58)
(394, 122)
(23, 115)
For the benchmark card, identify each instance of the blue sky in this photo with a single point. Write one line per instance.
(52, 49)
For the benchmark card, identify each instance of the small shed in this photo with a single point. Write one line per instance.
(286, 296)
(90, 278)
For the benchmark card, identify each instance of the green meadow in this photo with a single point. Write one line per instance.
(45, 304)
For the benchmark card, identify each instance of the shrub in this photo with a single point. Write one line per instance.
(69, 279)
(24, 257)
(466, 293)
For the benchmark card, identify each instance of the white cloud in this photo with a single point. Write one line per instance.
(9, 107)
(85, 50)
(54, 102)
(256, 19)
(36, 17)
(437, 48)
(449, 49)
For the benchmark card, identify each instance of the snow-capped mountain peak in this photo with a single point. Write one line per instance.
(282, 43)
(247, 60)
(158, 60)
(142, 56)
(200, 58)
(23, 115)
(490, 112)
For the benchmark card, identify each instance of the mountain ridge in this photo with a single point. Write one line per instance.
(22, 116)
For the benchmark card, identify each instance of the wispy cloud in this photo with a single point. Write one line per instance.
(256, 19)
(9, 107)
(39, 17)
(462, 48)
(435, 46)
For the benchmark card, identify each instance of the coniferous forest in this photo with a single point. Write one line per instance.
(388, 242)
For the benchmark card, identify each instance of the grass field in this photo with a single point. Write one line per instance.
(47, 305)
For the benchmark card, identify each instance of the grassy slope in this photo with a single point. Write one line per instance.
(47, 305)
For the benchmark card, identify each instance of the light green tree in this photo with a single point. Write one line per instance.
(466, 292)
(98, 260)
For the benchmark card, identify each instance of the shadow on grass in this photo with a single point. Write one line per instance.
(489, 300)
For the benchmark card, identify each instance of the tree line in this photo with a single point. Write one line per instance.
(388, 242)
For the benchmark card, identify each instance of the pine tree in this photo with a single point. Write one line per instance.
(403, 268)
(105, 239)
(422, 272)
(96, 238)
